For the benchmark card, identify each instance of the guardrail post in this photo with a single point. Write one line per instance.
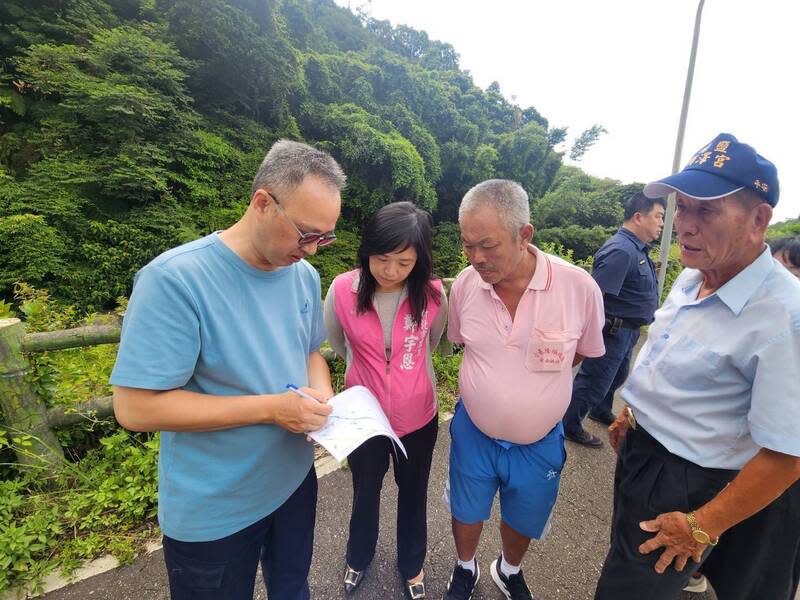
(24, 412)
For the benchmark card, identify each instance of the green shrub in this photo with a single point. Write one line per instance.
(31, 250)
(105, 503)
(448, 257)
(446, 369)
(337, 258)
(674, 266)
(583, 241)
(784, 228)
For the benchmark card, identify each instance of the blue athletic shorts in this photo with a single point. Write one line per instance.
(527, 476)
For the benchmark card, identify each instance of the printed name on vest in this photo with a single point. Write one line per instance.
(411, 342)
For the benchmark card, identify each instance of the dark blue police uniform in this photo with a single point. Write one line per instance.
(627, 277)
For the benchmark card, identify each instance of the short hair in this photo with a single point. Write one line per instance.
(748, 199)
(288, 163)
(641, 204)
(788, 247)
(396, 227)
(507, 197)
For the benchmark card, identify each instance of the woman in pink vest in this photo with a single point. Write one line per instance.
(385, 318)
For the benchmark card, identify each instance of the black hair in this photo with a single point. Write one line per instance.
(394, 228)
(789, 247)
(641, 204)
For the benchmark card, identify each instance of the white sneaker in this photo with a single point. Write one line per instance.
(513, 586)
(697, 584)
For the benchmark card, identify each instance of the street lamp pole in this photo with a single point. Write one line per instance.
(666, 234)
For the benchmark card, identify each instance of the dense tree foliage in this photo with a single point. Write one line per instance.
(586, 140)
(130, 126)
(579, 211)
(784, 228)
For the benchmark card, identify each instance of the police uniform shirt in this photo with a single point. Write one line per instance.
(627, 277)
(718, 377)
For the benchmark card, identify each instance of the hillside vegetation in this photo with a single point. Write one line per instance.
(131, 126)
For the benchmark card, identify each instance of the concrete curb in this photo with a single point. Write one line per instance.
(323, 465)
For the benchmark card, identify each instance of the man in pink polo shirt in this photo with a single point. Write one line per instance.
(525, 318)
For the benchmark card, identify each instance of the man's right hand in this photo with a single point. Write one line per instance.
(618, 429)
(301, 415)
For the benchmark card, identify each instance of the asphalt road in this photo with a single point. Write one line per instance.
(565, 566)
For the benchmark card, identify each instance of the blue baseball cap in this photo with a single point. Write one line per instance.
(720, 168)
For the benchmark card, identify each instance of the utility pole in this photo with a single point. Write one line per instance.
(666, 234)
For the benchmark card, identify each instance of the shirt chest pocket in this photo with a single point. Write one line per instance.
(689, 364)
(550, 350)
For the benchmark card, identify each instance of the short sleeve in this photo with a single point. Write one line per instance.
(318, 320)
(160, 340)
(438, 325)
(610, 269)
(332, 325)
(774, 416)
(591, 342)
(453, 313)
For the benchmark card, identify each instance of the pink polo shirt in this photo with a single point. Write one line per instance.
(516, 376)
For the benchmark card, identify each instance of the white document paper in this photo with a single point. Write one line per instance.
(357, 416)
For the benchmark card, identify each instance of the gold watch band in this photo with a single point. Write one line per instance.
(698, 534)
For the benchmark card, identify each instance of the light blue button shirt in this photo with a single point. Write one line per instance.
(719, 378)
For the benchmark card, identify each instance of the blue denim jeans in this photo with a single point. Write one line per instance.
(598, 379)
(225, 569)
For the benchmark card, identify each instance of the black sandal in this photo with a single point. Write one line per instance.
(352, 579)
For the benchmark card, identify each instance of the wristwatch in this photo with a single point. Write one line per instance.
(698, 534)
(630, 417)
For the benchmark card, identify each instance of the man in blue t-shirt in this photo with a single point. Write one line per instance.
(214, 331)
(627, 278)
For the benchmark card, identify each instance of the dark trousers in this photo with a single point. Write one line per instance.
(649, 481)
(760, 557)
(598, 379)
(225, 569)
(369, 463)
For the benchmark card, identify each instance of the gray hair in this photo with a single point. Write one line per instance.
(506, 197)
(287, 163)
(748, 198)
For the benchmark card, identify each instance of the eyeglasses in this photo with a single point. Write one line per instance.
(320, 239)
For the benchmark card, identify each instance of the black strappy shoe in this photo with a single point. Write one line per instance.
(352, 579)
(416, 591)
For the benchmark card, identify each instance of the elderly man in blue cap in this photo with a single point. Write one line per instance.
(709, 435)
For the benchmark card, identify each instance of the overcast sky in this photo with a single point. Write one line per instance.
(622, 64)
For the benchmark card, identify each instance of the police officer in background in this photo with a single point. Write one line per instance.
(627, 278)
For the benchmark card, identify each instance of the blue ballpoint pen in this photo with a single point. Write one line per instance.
(299, 392)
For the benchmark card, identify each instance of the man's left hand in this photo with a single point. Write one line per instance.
(326, 393)
(675, 536)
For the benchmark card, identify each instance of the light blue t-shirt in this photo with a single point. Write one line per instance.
(202, 319)
(719, 378)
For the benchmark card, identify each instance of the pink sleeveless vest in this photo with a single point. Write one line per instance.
(402, 383)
